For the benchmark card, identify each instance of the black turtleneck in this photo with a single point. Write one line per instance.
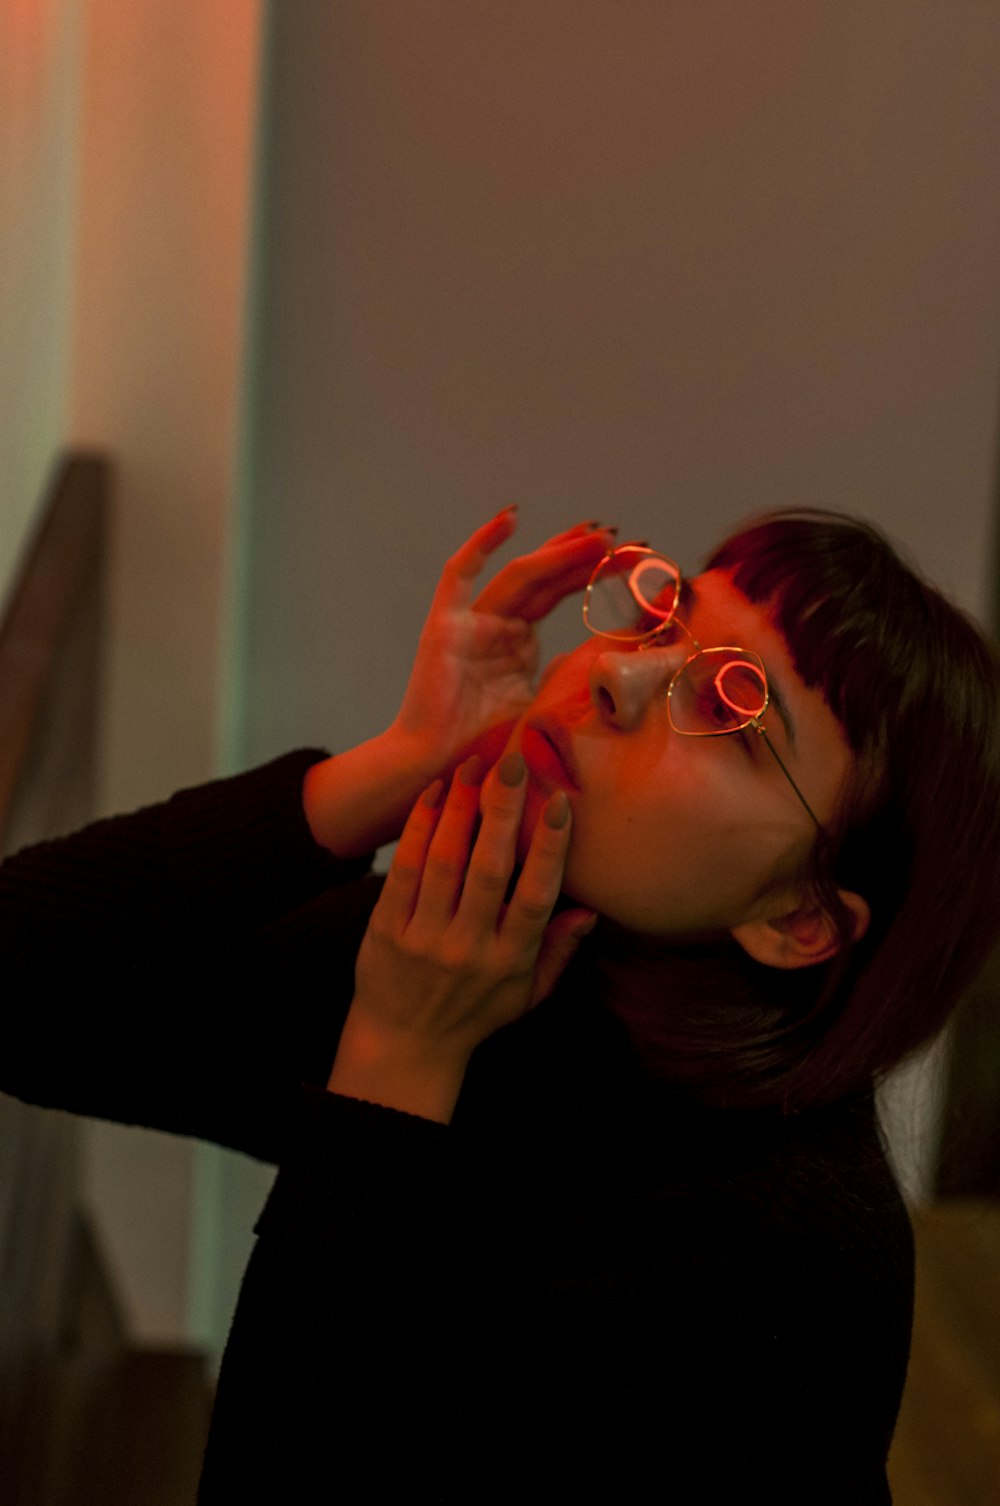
(589, 1285)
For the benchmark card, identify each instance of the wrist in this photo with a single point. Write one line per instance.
(395, 1070)
(359, 799)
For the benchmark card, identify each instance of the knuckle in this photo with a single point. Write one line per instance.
(404, 871)
(440, 863)
(458, 958)
(535, 908)
(489, 881)
(498, 805)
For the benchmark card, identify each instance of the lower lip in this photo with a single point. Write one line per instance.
(544, 763)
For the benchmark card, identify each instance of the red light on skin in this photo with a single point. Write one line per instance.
(548, 764)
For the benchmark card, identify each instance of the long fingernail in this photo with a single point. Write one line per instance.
(511, 769)
(471, 771)
(557, 811)
(432, 794)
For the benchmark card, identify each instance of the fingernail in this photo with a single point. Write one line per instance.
(432, 794)
(584, 928)
(557, 811)
(511, 507)
(471, 771)
(511, 769)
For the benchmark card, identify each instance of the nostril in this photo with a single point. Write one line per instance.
(607, 701)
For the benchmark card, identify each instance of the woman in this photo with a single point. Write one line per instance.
(658, 1254)
(642, 1240)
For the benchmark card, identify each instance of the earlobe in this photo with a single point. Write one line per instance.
(802, 937)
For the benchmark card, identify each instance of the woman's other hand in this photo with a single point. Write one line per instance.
(477, 657)
(446, 959)
(472, 676)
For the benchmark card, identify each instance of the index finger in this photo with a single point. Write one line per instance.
(455, 586)
(398, 899)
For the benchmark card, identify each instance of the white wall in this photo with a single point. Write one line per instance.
(166, 153)
(167, 147)
(660, 264)
(39, 103)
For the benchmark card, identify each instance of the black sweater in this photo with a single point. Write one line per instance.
(587, 1286)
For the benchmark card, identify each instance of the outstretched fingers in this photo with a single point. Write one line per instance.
(530, 586)
(455, 588)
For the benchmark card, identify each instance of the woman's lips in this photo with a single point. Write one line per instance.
(548, 752)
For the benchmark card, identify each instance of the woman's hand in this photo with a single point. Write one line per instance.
(445, 960)
(472, 676)
(478, 654)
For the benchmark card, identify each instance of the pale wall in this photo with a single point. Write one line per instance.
(167, 146)
(39, 101)
(660, 264)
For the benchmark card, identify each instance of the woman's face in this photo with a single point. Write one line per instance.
(679, 836)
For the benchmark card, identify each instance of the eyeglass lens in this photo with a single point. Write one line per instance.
(633, 593)
(718, 690)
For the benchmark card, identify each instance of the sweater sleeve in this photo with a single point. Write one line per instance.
(142, 959)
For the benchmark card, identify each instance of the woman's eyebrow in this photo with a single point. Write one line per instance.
(781, 707)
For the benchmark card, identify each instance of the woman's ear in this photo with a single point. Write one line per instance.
(801, 937)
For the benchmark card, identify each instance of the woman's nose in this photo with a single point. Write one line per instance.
(624, 683)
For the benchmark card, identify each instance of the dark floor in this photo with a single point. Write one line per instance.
(947, 1446)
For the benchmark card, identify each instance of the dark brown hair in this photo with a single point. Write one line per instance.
(917, 832)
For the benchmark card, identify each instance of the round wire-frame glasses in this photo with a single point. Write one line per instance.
(632, 597)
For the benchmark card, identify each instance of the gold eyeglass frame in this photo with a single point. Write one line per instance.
(647, 640)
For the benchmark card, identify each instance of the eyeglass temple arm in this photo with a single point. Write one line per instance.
(762, 730)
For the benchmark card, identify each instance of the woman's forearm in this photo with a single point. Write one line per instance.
(360, 799)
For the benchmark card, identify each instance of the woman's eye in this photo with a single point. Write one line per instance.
(714, 714)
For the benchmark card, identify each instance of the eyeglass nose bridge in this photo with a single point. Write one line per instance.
(672, 621)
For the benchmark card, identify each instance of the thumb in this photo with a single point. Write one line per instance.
(562, 937)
